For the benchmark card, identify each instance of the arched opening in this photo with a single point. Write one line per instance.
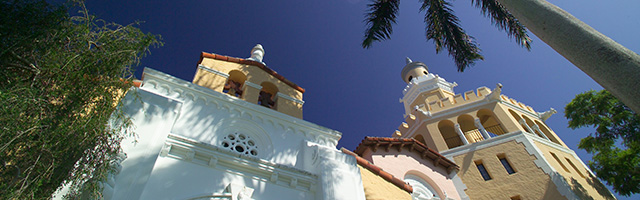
(531, 125)
(234, 83)
(469, 129)
(422, 188)
(518, 118)
(547, 132)
(267, 97)
(449, 134)
(420, 139)
(490, 122)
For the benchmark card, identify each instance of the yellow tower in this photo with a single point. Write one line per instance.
(250, 80)
(503, 147)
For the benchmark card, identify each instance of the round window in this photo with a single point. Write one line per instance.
(240, 143)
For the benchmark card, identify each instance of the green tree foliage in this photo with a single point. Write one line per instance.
(61, 77)
(615, 142)
(443, 27)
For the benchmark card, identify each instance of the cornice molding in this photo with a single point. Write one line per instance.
(301, 102)
(213, 71)
(185, 149)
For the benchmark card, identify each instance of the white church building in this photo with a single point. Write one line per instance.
(236, 132)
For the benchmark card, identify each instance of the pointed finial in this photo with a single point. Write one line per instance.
(409, 60)
(257, 53)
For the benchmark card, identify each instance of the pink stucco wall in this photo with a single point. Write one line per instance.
(402, 163)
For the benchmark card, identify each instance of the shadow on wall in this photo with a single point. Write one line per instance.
(601, 188)
(466, 162)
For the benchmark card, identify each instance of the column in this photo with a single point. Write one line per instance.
(523, 123)
(461, 134)
(536, 128)
(251, 92)
(484, 132)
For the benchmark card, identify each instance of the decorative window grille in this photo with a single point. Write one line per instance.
(240, 143)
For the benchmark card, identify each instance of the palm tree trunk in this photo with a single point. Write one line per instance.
(610, 64)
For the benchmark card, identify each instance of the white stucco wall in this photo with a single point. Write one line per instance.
(178, 155)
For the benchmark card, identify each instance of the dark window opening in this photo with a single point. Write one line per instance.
(410, 77)
(233, 88)
(506, 165)
(483, 171)
(266, 99)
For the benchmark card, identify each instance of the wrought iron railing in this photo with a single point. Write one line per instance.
(496, 129)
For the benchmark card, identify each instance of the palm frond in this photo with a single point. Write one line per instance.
(380, 19)
(503, 19)
(444, 29)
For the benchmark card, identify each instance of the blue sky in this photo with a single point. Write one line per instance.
(316, 44)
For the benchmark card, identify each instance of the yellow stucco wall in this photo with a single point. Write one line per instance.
(254, 75)
(375, 187)
(581, 181)
(433, 137)
(529, 181)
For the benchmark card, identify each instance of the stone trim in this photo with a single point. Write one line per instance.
(527, 140)
(253, 85)
(213, 71)
(287, 97)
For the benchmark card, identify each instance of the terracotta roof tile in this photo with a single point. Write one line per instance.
(378, 171)
(251, 62)
(406, 143)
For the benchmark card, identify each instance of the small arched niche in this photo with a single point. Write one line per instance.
(234, 83)
(449, 134)
(267, 97)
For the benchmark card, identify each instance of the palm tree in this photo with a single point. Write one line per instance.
(610, 64)
(443, 27)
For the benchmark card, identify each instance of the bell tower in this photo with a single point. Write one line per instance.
(504, 147)
(250, 80)
(422, 86)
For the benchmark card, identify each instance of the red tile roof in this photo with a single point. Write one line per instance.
(406, 143)
(378, 171)
(251, 62)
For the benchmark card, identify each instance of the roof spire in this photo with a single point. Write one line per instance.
(257, 53)
(409, 60)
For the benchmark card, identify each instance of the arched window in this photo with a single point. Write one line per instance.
(267, 97)
(517, 118)
(421, 189)
(490, 122)
(547, 132)
(530, 124)
(234, 83)
(449, 134)
(240, 143)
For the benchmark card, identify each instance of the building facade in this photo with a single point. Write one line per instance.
(503, 148)
(235, 132)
